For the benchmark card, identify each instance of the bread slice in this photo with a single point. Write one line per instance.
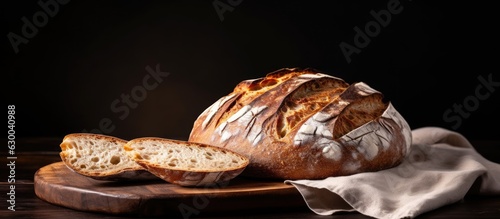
(186, 163)
(100, 157)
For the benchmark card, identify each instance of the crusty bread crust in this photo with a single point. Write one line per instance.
(303, 124)
(186, 163)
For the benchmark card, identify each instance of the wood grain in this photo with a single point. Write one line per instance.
(57, 184)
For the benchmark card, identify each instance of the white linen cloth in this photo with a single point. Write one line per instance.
(440, 169)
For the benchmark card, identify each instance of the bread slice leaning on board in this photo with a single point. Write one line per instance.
(304, 124)
(100, 157)
(185, 163)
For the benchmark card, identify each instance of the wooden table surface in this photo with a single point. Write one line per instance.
(34, 153)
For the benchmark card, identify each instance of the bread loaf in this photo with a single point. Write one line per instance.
(100, 157)
(303, 124)
(184, 163)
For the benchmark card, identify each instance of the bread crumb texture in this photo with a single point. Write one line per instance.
(98, 155)
(184, 156)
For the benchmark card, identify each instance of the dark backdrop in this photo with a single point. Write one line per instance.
(77, 60)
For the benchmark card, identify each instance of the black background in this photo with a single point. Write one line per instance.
(427, 59)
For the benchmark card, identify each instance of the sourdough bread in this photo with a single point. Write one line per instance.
(303, 124)
(185, 163)
(100, 157)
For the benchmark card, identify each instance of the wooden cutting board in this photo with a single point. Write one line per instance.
(57, 184)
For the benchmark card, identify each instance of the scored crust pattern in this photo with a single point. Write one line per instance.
(303, 124)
